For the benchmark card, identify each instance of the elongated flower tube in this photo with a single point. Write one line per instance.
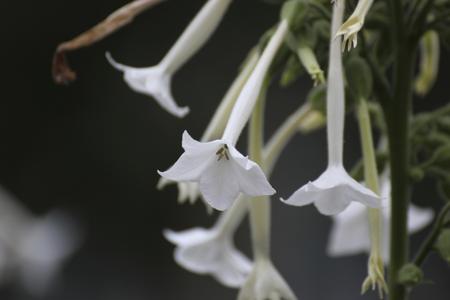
(429, 63)
(221, 170)
(211, 251)
(350, 231)
(189, 190)
(334, 190)
(156, 81)
(349, 30)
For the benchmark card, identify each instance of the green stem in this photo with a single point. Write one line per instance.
(398, 119)
(259, 206)
(428, 243)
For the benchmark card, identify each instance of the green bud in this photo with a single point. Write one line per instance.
(410, 275)
(443, 244)
(359, 77)
(416, 174)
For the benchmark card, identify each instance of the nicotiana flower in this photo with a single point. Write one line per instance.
(349, 30)
(350, 232)
(211, 251)
(189, 190)
(221, 170)
(33, 249)
(265, 283)
(334, 190)
(155, 81)
(429, 63)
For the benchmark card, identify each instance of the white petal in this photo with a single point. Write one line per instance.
(418, 218)
(265, 283)
(350, 232)
(252, 180)
(219, 184)
(154, 82)
(207, 252)
(193, 162)
(333, 191)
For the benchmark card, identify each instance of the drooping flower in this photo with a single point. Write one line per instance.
(265, 283)
(155, 81)
(349, 30)
(189, 190)
(334, 190)
(221, 170)
(350, 233)
(211, 251)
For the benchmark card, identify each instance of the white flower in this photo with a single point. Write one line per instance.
(222, 172)
(265, 283)
(155, 81)
(211, 251)
(32, 249)
(334, 190)
(349, 30)
(350, 233)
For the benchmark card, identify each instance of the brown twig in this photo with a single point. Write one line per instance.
(61, 71)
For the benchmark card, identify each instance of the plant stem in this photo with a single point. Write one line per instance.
(259, 206)
(398, 119)
(427, 245)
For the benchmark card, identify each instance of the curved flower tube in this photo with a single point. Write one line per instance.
(429, 63)
(221, 170)
(350, 232)
(334, 190)
(155, 81)
(349, 30)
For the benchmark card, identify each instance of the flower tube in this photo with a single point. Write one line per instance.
(156, 81)
(334, 190)
(221, 170)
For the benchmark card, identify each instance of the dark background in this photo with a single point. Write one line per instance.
(93, 148)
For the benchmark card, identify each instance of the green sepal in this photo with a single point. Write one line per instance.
(359, 77)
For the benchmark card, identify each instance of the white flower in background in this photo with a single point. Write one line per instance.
(189, 191)
(334, 190)
(211, 251)
(349, 30)
(32, 249)
(155, 81)
(265, 283)
(350, 233)
(221, 170)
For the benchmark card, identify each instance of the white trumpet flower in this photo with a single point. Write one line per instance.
(334, 190)
(221, 170)
(211, 251)
(189, 190)
(350, 234)
(156, 81)
(265, 283)
(349, 30)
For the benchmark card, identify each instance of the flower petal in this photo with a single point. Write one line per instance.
(252, 179)
(153, 82)
(418, 218)
(193, 162)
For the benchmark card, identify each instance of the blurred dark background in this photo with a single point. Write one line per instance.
(93, 148)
